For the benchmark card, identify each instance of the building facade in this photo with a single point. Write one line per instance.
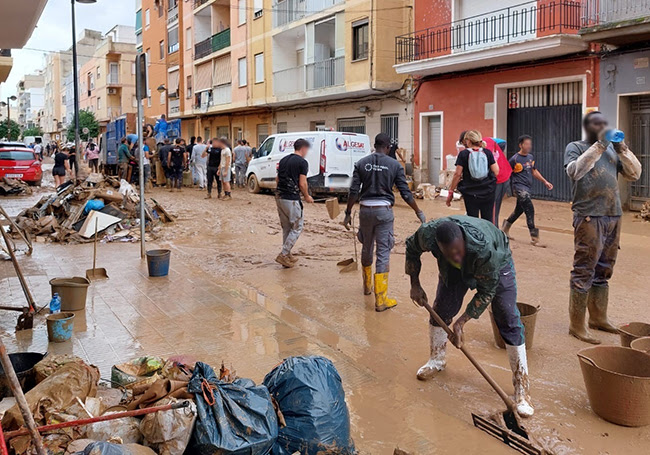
(31, 100)
(107, 80)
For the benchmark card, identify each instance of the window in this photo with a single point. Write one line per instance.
(133, 68)
(258, 8)
(163, 97)
(282, 127)
(262, 134)
(352, 125)
(149, 101)
(206, 133)
(223, 131)
(91, 81)
(242, 72)
(134, 101)
(172, 40)
(99, 103)
(390, 126)
(188, 39)
(161, 9)
(99, 73)
(113, 73)
(360, 40)
(147, 18)
(189, 87)
(259, 68)
(242, 12)
(148, 54)
(162, 49)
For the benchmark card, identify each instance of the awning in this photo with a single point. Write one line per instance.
(203, 77)
(222, 71)
(173, 81)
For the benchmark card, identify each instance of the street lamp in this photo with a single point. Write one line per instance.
(75, 77)
(162, 89)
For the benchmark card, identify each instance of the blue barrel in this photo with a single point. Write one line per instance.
(158, 262)
(59, 327)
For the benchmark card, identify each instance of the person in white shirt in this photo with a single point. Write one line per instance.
(225, 171)
(199, 162)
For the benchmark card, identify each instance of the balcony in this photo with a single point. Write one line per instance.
(617, 22)
(113, 112)
(219, 95)
(309, 77)
(215, 43)
(528, 31)
(112, 80)
(286, 11)
(198, 3)
(6, 63)
(172, 14)
(174, 106)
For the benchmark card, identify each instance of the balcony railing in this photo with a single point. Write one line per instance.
(604, 11)
(113, 112)
(313, 76)
(174, 106)
(507, 25)
(286, 11)
(198, 3)
(215, 43)
(5, 52)
(172, 14)
(112, 79)
(222, 94)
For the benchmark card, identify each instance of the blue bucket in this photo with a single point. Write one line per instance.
(158, 262)
(59, 327)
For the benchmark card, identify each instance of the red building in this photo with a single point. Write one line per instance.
(503, 67)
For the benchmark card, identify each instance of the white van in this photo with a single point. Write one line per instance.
(331, 160)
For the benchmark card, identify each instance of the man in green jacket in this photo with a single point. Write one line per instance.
(472, 253)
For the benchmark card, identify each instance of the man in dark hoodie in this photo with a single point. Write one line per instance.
(472, 253)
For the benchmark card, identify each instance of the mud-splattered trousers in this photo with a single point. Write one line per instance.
(291, 219)
(524, 205)
(449, 300)
(376, 229)
(596, 240)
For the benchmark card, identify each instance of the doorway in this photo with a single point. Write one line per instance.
(431, 145)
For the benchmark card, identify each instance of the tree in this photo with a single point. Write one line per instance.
(33, 131)
(10, 133)
(86, 120)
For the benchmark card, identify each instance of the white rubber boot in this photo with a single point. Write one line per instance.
(437, 361)
(519, 367)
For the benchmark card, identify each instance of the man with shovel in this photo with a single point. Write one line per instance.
(372, 184)
(472, 253)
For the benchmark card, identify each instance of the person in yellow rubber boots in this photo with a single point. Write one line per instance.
(372, 185)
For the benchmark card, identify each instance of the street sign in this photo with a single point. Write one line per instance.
(141, 76)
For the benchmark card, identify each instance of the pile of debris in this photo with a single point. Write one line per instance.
(645, 211)
(73, 212)
(14, 187)
(179, 405)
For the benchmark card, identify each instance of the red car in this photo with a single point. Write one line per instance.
(20, 163)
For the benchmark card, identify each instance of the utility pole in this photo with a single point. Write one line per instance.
(141, 94)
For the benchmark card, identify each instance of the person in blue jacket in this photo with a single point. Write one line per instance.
(161, 129)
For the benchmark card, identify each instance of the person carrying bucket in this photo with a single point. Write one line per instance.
(372, 184)
(472, 253)
(593, 166)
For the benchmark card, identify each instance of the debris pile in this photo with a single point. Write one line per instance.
(428, 191)
(13, 187)
(645, 211)
(179, 405)
(71, 214)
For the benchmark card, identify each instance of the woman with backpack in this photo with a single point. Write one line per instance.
(475, 176)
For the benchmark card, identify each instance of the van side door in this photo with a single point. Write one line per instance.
(263, 155)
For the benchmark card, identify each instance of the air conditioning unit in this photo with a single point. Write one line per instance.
(112, 91)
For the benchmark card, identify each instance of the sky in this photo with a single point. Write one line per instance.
(54, 33)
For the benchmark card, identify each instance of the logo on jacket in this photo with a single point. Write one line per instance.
(341, 144)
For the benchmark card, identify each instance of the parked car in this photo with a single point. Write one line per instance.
(20, 162)
(331, 160)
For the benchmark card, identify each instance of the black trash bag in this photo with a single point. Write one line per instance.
(233, 418)
(310, 395)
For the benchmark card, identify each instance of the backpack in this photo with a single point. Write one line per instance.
(478, 164)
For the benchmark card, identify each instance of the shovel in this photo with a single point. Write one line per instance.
(350, 265)
(95, 273)
(513, 434)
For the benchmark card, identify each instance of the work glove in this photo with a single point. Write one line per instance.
(421, 216)
(347, 221)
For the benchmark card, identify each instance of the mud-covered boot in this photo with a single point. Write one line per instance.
(534, 239)
(367, 280)
(505, 227)
(519, 367)
(438, 359)
(597, 301)
(577, 314)
(382, 302)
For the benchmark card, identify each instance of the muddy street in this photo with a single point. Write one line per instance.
(226, 299)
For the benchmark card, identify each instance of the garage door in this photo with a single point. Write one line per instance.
(552, 115)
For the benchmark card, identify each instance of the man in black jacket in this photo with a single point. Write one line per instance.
(372, 184)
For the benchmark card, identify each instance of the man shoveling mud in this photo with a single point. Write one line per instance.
(472, 253)
(372, 185)
(593, 165)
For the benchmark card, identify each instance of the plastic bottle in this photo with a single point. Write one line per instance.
(615, 135)
(55, 304)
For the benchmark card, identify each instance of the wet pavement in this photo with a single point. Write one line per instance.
(226, 300)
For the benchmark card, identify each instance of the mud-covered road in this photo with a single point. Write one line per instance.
(236, 241)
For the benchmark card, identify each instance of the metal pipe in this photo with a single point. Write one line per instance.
(20, 400)
(140, 96)
(75, 83)
(104, 418)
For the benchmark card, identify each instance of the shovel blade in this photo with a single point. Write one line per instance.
(345, 262)
(516, 438)
(96, 274)
(350, 267)
(333, 208)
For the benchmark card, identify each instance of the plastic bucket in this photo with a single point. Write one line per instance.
(23, 363)
(158, 262)
(528, 318)
(618, 384)
(59, 327)
(632, 331)
(641, 344)
(72, 291)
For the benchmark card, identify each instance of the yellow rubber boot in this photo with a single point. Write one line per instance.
(382, 302)
(367, 280)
